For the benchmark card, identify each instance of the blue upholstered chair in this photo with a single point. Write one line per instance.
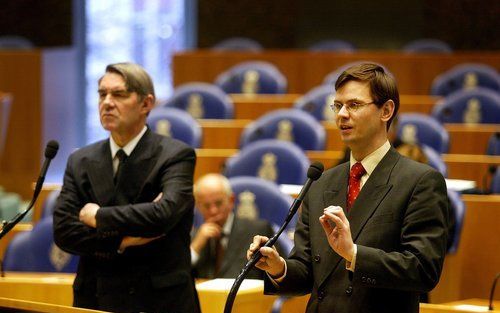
(252, 77)
(336, 45)
(259, 198)
(317, 102)
(466, 76)
(494, 144)
(175, 123)
(495, 182)
(238, 44)
(435, 160)
(36, 251)
(15, 42)
(202, 100)
(50, 203)
(427, 45)
(457, 208)
(423, 129)
(279, 161)
(288, 125)
(18, 255)
(479, 105)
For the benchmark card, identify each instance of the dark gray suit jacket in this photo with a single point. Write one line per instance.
(399, 223)
(241, 236)
(155, 277)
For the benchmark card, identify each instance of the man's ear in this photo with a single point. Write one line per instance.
(147, 104)
(387, 110)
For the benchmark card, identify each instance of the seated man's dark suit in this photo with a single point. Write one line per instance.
(234, 258)
(399, 223)
(155, 277)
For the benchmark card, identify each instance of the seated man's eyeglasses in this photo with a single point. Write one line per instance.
(350, 106)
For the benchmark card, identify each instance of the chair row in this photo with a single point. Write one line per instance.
(259, 77)
(308, 133)
(423, 45)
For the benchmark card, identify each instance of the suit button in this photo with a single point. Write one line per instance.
(321, 295)
(348, 290)
(317, 258)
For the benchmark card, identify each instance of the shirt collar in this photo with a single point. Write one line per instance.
(226, 229)
(129, 147)
(371, 161)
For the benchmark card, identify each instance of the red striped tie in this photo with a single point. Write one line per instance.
(357, 171)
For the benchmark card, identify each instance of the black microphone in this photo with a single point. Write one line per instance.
(492, 292)
(50, 153)
(313, 173)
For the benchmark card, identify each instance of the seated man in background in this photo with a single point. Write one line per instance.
(216, 247)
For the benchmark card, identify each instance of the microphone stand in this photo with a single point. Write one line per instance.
(255, 258)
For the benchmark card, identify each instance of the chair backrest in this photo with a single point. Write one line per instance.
(494, 144)
(426, 45)
(175, 123)
(495, 182)
(423, 129)
(279, 161)
(50, 203)
(35, 251)
(435, 160)
(288, 125)
(252, 77)
(466, 76)
(238, 44)
(18, 256)
(472, 106)
(317, 102)
(258, 198)
(332, 77)
(337, 45)
(457, 208)
(15, 42)
(202, 100)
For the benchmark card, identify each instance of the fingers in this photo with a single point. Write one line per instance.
(158, 197)
(258, 241)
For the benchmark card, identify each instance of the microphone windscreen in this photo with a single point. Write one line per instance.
(51, 149)
(315, 170)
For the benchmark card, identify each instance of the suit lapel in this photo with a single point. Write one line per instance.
(335, 196)
(372, 193)
(100, 173)
(369, 198)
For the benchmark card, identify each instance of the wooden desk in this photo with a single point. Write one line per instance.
(462, 278)
(464, 139)
(305, 70)
(35, 307)
(20, 74)
(254, 106)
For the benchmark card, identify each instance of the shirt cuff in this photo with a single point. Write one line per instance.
(194, 257)
(351, 265)
(278, 280)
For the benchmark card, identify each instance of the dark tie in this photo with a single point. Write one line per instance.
(357, 171)
(122, 157)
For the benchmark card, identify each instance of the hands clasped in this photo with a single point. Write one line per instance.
(339, 234)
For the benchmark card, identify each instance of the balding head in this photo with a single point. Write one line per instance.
(214, 198)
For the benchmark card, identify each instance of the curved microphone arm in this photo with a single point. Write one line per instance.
(314, 172)
(50, 153)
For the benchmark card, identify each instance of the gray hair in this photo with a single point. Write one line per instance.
(135, 76)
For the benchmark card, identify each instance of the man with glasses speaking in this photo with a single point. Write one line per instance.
(371, 236)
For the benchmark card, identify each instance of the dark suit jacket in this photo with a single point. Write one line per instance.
(241, 236)
(399, 224)
(155, 277)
